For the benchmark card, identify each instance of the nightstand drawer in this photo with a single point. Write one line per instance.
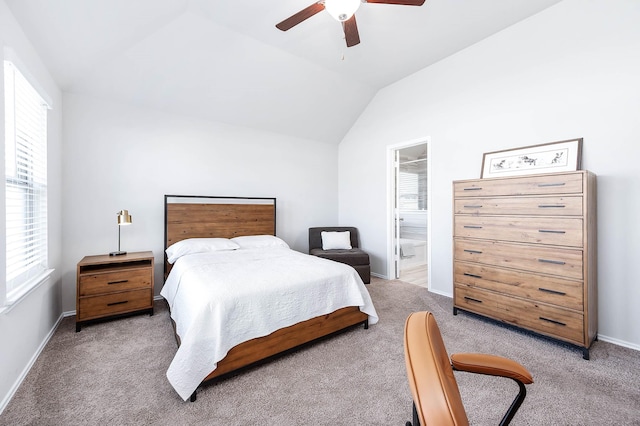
(114, 303)
(114, 281)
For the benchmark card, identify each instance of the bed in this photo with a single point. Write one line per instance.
(281, 298)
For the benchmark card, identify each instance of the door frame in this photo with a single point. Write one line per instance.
(392, 256)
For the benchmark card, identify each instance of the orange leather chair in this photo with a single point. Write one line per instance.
(436, 397)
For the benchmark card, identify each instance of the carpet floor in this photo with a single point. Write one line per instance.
(113, 373)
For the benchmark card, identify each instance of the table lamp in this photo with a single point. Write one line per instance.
(124, 218)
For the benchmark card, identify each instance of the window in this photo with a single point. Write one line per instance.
(413, 185)
(409, 191)
(25, 183)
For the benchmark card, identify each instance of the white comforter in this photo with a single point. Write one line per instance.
(221, 299)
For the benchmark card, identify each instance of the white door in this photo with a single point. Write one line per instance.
(396, 215)
(409, 212)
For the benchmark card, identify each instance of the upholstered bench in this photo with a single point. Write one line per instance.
(340, 248)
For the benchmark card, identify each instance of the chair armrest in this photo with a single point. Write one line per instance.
(492, 365)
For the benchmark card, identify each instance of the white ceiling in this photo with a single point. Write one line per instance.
(224, 60)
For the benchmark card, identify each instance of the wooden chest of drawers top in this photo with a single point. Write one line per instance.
(550, 184)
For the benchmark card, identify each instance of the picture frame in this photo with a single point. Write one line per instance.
(561, 156)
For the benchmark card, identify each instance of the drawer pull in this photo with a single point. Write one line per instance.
(472, 227)
(466, 274)
(551, 231)
(117, 282)
(118, 303)
(551, 206)
(540, 185)
(473, 251)
(475, 188)
(553, 321)
(546, 290)
(472, 207)
(555, 262)
(471, 299)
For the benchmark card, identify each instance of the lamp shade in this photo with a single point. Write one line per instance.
(124, 218)
(341, 10)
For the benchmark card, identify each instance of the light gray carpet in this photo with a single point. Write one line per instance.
(114, 373)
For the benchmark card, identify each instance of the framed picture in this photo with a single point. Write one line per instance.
(563, 156)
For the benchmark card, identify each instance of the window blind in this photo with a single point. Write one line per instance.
(409, 191)
(25, 181)
(413, 185)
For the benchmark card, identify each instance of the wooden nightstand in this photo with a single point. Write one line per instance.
(109, 286)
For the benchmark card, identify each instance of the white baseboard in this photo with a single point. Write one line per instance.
(441, 293)
(29, 365)
(618, 342)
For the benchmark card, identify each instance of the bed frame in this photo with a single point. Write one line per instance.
(227, 217)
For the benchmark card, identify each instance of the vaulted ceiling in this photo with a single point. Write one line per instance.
(224, 60)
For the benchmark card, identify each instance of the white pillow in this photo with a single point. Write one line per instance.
(198, 245)
(259, 241)
(332, 240)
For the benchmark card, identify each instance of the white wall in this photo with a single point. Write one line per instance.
(122, 157)
(27, 325)
(571, 71)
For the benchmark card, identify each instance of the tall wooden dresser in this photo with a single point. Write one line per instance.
(524, 252)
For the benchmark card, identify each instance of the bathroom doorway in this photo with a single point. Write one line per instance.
(410, 217)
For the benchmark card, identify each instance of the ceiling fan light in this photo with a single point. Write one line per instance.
(341, 10)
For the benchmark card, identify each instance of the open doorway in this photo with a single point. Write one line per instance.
(410, 213)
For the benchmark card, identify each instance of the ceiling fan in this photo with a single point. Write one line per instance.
(341, 10)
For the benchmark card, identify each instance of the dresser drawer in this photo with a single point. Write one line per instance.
(538, 230)
(106, 282)
(553, 290)
(562, 262)
(531, 206)
(538, 317)
(570, 183)
(114, 303)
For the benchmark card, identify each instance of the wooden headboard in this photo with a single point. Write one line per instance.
(188, 216)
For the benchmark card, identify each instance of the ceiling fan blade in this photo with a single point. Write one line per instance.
(304, 14)
(351, 31)
(400, 2)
